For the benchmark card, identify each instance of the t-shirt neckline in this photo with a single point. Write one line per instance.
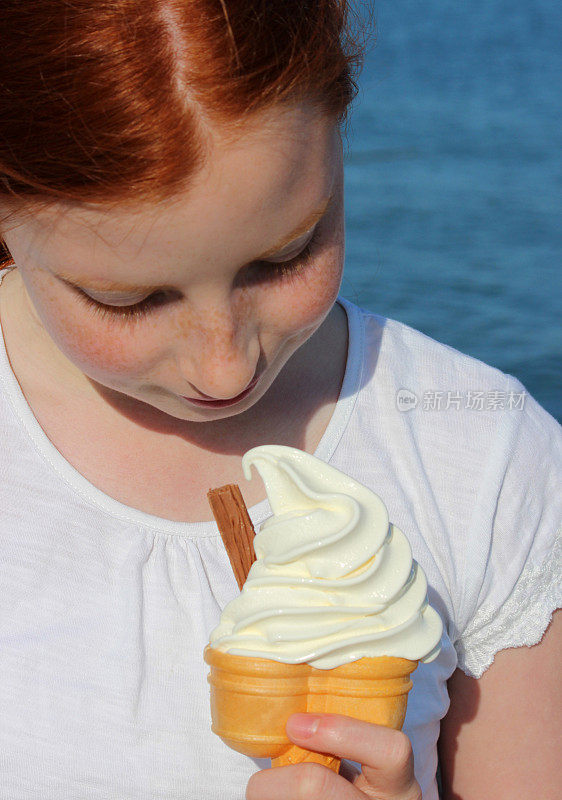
(94, 496)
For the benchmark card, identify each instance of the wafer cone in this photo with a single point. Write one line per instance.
(252, 699)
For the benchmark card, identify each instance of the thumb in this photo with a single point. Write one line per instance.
(385, 754)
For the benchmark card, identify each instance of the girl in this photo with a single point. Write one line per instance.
(172, 218)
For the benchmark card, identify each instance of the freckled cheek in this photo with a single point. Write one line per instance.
(101, 349)
(302, 304)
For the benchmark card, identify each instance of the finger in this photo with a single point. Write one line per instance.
(306, 781)
(385, 754)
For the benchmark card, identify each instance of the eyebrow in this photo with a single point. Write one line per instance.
(127, 288)
(304, 227)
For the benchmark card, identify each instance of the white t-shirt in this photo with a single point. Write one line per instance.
(105, 610)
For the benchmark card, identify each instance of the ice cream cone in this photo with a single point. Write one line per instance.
(332, 574)
(252, 699)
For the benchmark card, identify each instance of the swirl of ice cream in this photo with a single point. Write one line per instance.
(334, 581)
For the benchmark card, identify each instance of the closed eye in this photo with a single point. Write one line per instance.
(267, 271)
(256, 273)
(130, 312)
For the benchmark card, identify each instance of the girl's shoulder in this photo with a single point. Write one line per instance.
(396, 349)
(470, 467)
(411, 380)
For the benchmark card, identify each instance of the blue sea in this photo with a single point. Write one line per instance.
(454, 181)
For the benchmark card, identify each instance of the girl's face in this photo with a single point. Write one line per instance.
(195, 306)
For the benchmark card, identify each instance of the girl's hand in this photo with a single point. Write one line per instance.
(385, 755)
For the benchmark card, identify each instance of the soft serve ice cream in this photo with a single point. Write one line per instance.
(334, 581)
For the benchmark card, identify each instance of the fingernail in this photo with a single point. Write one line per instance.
(303, 725)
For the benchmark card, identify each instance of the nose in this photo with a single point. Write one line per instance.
(218, 355)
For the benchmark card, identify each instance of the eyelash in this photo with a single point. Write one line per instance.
(132, 312)
(282, 271)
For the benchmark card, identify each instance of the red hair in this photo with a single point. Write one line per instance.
(110, 100)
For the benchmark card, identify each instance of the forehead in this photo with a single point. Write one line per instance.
(251, 192)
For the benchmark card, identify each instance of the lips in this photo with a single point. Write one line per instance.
(212, 403)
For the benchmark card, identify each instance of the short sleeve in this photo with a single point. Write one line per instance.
(516, 537)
